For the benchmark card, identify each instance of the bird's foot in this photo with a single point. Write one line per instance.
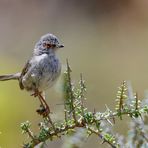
(43, 111)
(44, 108)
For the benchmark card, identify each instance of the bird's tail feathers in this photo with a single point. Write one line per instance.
(10, 77)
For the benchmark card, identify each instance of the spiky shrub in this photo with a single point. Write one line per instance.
(77, 116)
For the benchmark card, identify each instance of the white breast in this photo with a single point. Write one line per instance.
(43, 73)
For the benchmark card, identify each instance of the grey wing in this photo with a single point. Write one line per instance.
(24, 71)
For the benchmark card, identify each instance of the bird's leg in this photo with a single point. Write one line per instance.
(46, 107)
(35, 94)
(45, 110)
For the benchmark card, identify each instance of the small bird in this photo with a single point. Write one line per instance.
(41, 70)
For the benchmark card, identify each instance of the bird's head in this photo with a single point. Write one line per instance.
(48, 43)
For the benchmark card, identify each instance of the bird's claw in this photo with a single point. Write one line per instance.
(43, 111)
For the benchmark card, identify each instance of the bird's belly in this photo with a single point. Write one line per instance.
(43, 75)
(48, 80)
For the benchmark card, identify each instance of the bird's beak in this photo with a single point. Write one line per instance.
(60, 46)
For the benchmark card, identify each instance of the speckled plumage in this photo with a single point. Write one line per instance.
(43, 68)
(43, 71)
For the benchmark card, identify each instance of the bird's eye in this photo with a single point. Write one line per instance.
(49, 45)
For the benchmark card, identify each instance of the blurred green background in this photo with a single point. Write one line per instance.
(106, 40)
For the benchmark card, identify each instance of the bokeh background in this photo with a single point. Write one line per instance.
(106, 40)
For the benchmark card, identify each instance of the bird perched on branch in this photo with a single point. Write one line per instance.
(41, 70)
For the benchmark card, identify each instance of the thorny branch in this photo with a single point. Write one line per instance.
(76, 116)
